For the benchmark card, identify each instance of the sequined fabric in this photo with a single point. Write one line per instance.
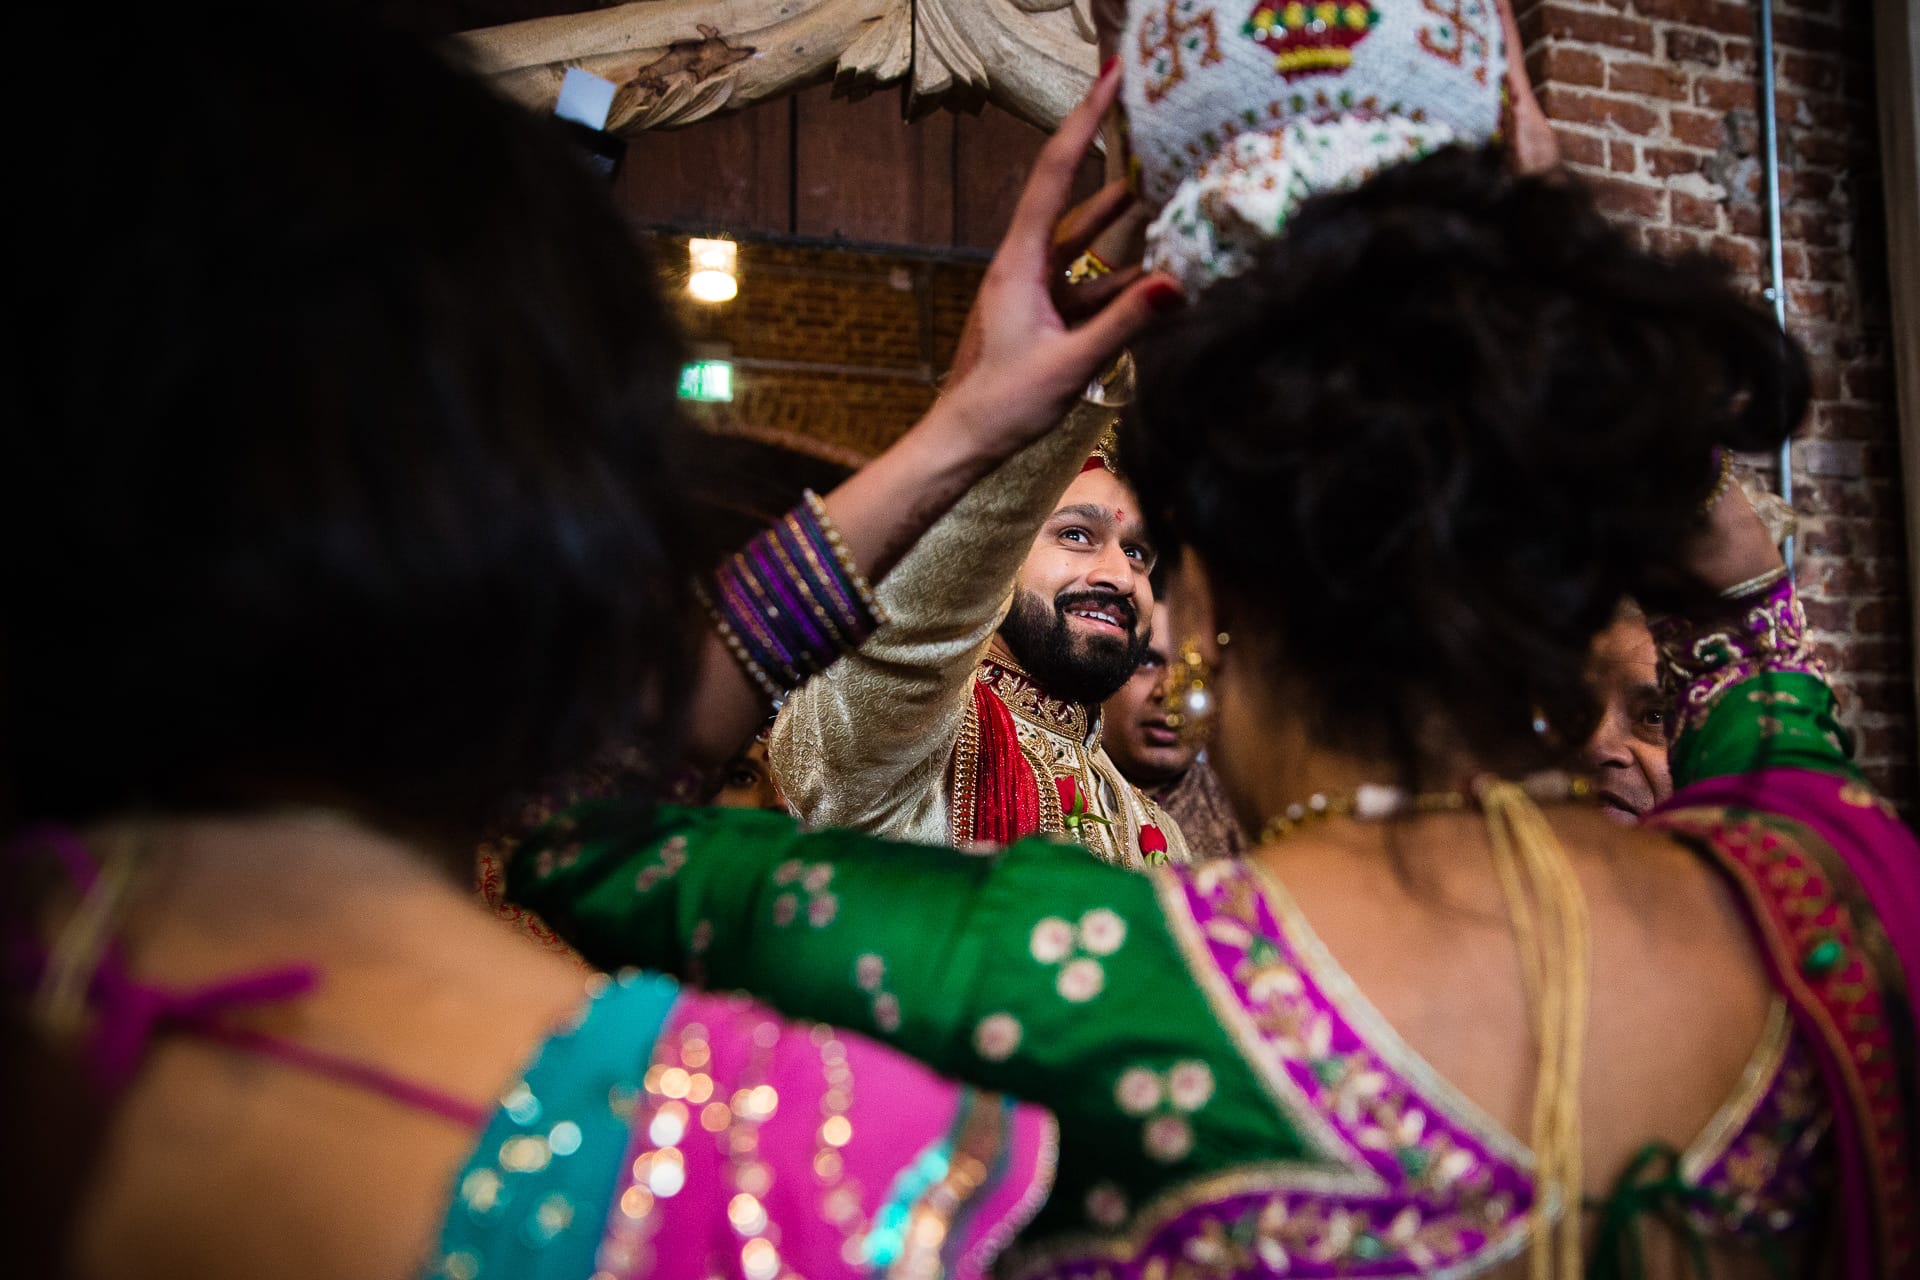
(532, 1200)
(765, 1148)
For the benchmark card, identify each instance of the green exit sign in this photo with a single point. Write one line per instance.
(709, 380)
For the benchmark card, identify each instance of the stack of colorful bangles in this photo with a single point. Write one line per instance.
(792, 600)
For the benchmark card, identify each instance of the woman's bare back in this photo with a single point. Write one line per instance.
(218, 1163)
(1680, 1000)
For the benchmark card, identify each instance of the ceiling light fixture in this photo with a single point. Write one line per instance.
(712, 278)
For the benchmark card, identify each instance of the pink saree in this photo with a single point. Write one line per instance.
(766, 1148)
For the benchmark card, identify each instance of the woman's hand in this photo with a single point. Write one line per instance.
(1030, 347)
(1736, 545)
(1531, 146)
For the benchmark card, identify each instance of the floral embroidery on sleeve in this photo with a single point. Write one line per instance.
(1164, 1101)
(870, 975)
(673, 856)
(809, 884)
(1077, 949)
(997, 1037)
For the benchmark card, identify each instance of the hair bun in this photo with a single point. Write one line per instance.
(1440, 429)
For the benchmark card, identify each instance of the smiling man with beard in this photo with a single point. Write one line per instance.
(973, 714)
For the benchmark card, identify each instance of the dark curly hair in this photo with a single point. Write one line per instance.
(1439, 431)
(345, 462)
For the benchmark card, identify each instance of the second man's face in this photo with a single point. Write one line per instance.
(1628, 752)
(1145, 747)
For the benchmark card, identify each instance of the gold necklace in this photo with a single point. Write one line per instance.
(1548, 914)
(1376, 802)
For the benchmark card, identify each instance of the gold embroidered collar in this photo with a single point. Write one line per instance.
(1027, 700)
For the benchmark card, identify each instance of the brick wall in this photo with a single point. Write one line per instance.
(1656, 103)
(834, 347)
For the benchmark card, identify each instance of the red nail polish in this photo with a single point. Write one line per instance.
(1163, 295)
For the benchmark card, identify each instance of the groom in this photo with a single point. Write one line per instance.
(973, 715)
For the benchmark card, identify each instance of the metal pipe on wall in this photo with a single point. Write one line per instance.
(1777, 290)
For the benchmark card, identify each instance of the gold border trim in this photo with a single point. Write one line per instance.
(1762, 1069)
(963, 803)
(1024, 697)
(1052, 820)
(987, 1251)
(1345, 995)
(1234, 1019)
(1252, 1179)
(1274, 1177)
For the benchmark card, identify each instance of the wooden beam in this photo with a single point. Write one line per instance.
(678, 61)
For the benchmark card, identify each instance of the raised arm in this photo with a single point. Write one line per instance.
(1748, 692)
(1006, 971)
(1025, 355)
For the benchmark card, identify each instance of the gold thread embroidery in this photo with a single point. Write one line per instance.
(1029, 702)
(1053, 821)
(1250, 1179)
(963, 806)
(1319, 1135)
(1345, 995)
(1763, 1065)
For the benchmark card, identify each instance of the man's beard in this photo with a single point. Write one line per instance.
(1073, 668)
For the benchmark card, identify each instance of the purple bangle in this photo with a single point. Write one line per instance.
(803, 572)
(791, 622)
(737, 597)
(791, 601)
(816, 547)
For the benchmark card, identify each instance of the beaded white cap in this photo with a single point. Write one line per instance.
(1237, 110)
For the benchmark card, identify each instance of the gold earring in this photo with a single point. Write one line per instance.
(1189, 702)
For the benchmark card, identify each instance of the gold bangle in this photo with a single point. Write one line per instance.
(856, 579)
(1754, 585)
(724, 630)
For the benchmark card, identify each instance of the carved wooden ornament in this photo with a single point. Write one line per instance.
(678, 61)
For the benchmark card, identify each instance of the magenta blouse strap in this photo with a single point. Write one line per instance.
(129, 1014)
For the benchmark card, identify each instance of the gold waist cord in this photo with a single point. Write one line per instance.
(1549, 917)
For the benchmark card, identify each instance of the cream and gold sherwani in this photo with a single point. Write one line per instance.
(888, 739)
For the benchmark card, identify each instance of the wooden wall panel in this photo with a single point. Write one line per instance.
(865, 174)
(729, 172)
(992, 152)
(826, 167)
